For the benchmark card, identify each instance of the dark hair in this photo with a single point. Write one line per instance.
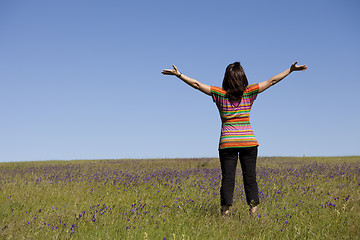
(235, 82)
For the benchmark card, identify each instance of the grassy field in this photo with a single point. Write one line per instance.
(301, 198)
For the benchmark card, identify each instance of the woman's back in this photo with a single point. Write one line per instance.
(236, 131)
(230, 110)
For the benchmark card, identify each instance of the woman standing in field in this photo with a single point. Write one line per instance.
(237, 140)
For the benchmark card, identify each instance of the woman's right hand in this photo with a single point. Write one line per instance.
(297, 68)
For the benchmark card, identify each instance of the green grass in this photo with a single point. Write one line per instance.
(301, 198)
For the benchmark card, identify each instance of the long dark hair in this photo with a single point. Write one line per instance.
(235, 82)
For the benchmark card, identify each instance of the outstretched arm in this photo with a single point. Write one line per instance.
(190, 81)
(277, 78)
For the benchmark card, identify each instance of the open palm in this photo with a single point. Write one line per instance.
(173, 71)
(297, 68)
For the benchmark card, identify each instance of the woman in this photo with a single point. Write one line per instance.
(237, 140)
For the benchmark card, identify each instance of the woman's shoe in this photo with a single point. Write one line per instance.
(225, 210)
(253, 211)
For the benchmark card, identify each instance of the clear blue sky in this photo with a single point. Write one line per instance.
(82, 79)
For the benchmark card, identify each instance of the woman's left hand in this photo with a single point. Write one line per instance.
(173, 71)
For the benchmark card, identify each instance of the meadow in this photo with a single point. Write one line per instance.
(301, 198)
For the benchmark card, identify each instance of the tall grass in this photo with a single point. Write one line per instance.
(301, 198)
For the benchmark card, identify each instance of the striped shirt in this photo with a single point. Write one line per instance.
(236, 131)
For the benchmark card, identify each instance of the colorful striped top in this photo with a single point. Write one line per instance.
(236, 131)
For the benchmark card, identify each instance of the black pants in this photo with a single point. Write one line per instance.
(228, 160)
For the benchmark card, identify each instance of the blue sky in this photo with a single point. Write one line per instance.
(82, 79)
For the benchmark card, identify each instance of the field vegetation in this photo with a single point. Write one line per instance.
(301, 198)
